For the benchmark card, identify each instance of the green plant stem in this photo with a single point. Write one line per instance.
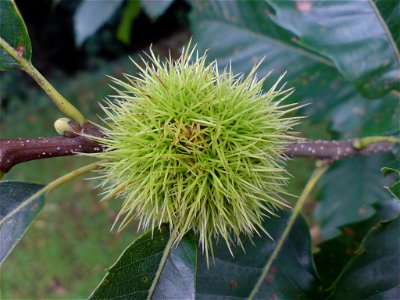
(362, 143)
(51, 186)
(316, 175)
(62, 104)
(164, 258)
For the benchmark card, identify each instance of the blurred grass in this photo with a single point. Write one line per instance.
(67, 249)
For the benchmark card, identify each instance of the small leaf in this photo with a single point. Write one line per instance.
(14, 220)
(13, 31)
(292, 275)
(374, 273)
(91, 15)
(345, 201)
(394, 189)
(393, 167)
(156, 8)
(132, 275)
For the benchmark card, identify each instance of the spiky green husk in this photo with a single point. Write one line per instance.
(195, 148)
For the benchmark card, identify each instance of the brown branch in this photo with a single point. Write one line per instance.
(14, 151)
(335, 150)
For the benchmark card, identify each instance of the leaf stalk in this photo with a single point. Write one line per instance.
(320, 169)
(62, 104)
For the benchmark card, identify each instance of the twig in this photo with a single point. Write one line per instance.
(337, 150)
(14, 151)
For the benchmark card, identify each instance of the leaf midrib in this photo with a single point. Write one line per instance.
(166, 254)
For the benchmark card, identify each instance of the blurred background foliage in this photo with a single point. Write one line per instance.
(346, 69)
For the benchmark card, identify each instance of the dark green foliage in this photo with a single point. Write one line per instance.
(343, 202)
(347, 33)
(373, 273)
(291, 37)
(393, 168)
(14, 219)
(13, 31)
(333, 254)
(390, 12)
(292, 275)
(132, 275)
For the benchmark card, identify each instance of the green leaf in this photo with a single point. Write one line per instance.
(131, 10)
(292, 275)
(91, 16)
(390, 12)
(13, 31)
(156, 8)
(374, 273)
(14, 220)
(132, 275)
(358, 118)
(333, 254)
(349, 189)
(352, 34)
(249, 34)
